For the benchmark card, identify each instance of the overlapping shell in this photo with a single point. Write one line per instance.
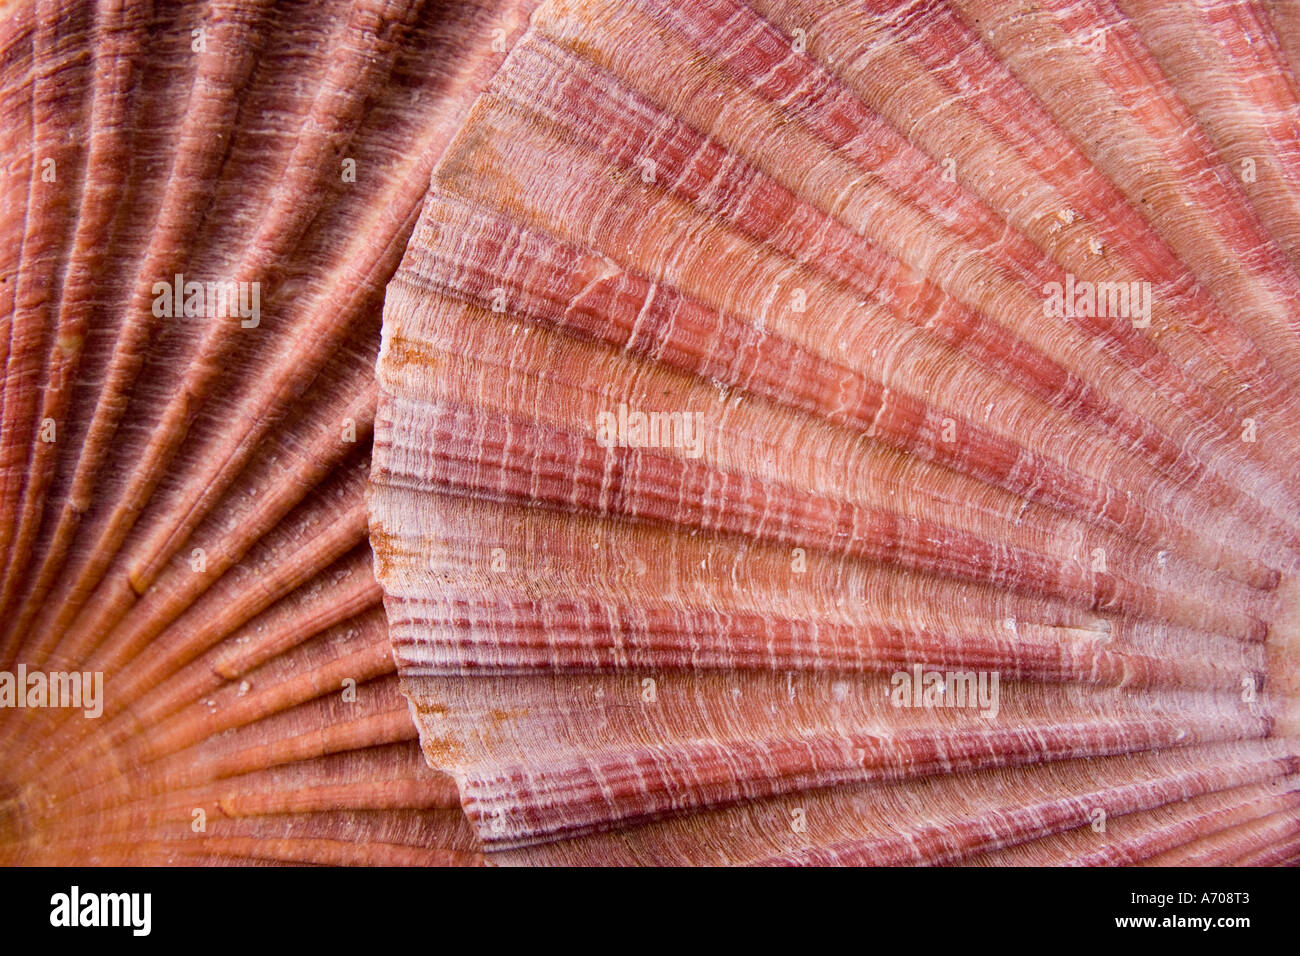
(818, 240)
(843, 254)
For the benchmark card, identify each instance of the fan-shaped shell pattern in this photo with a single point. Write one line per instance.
(822, 242)
(183, 505)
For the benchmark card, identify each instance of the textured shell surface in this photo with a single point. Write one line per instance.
(183, 482)
(707, 432)
(817, 432)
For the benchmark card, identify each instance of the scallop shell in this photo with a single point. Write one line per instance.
(823, 232)
(753, 481)
(183, 497)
